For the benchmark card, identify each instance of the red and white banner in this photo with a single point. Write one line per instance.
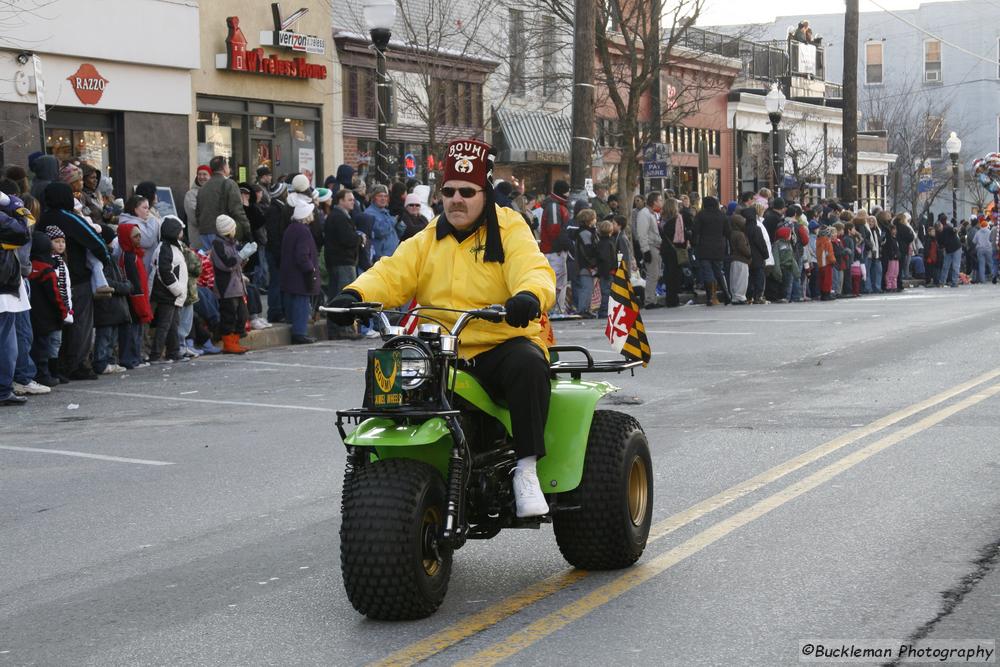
(621, 319)
(410, 320)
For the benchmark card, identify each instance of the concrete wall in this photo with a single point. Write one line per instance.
(156, 149)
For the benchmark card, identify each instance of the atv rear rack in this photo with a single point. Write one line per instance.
(576, 369)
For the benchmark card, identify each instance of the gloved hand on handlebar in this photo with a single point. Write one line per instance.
(343, 300)
(522, 308)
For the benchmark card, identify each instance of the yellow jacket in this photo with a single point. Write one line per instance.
(444, 272)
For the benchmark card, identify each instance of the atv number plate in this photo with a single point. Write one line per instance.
(384, 379)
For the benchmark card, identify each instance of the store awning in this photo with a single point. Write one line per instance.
(523, 136)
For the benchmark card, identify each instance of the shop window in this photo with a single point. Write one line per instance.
(548, 55)
(222, 134)
(295, 146)
(359, 92)
(90, 146)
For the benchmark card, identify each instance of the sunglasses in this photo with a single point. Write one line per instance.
(413, 206)
(467, 193)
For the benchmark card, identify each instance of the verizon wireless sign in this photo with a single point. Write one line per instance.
(299, 42)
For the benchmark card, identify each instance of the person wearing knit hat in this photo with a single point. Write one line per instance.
(225, 226)
(71, 174)
(229, 285)
(411, 217)
(472, 255)
(299, 271)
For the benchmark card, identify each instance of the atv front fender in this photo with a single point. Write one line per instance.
(429, 442)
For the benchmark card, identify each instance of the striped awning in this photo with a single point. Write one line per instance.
(526, 136)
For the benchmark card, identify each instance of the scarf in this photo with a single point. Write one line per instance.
(678, 230)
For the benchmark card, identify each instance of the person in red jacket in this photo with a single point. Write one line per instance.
(131, 262)
(554, 239)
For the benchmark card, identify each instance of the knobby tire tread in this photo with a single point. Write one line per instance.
(597, 537)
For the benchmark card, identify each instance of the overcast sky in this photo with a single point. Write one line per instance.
(719, 12)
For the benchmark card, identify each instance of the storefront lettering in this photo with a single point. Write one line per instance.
(88, 84)
(240, 59)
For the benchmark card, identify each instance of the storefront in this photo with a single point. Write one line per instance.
(120, 105)
(264, 95)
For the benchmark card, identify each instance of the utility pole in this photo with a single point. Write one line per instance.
(849, 167)
(656, 126)
(582, 144)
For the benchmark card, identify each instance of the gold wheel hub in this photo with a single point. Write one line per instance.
(429, 550)
(638, 491)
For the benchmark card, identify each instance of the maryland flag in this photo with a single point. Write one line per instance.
(625, 329)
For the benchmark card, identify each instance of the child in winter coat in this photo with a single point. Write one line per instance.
(48, 310)
(168, 290)
(133, 264)
(825, 260)
(890, 250)
(58, 241)
(227, 266)
(786, 260)
(932, 258)
(607, 262)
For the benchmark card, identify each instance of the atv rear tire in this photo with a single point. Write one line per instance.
(393, 513)
(615, 496)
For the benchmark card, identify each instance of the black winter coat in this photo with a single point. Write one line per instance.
(341, 239)
(111, 312)
(949, 239)
(710, 233)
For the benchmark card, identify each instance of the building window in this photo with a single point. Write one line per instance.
(932, 61)
(873, 63)
(516, 40)
(548, 55)
(359, 92)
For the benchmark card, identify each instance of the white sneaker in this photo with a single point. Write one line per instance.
(528, 494)
(373, 334)
(259, 323)
(113, 368)
(193, 352)
(32, 388)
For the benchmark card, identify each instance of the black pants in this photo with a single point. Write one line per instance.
(672, 275)
(517, 372)
(78, 337)
(232, 315)
(165, 319)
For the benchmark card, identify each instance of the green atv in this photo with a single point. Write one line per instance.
(429, 466)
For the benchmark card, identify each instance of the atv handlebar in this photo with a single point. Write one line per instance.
(366, 310)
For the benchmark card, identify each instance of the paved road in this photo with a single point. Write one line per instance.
(823, 471)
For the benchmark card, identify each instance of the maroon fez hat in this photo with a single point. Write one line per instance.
(469, 160)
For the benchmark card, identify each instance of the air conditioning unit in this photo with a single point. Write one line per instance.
(932, 76)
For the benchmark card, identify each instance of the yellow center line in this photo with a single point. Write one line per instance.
(471, 625)
(545, 626)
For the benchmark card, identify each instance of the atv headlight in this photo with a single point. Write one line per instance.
(415, 368)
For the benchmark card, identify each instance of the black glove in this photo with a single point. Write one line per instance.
(522, 308)
(342, 300)
(647, 257)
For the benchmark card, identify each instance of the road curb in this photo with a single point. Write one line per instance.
(278, 335)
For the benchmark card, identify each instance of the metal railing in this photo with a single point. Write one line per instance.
(766, 61)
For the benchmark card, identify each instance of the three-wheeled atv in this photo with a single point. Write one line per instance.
(430, 464)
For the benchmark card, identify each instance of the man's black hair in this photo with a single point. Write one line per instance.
(560, 188)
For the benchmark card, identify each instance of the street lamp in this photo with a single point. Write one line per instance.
(774, 102)
(380, 15)
(954, 147)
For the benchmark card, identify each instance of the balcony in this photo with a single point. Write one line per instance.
(801, 68)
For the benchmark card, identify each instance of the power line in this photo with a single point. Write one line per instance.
(991, 61)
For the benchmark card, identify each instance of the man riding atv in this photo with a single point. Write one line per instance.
(476, 254)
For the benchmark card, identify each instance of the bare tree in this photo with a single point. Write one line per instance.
(915, 124)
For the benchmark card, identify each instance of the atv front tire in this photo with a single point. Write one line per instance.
(393, 565)
(609, 530)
